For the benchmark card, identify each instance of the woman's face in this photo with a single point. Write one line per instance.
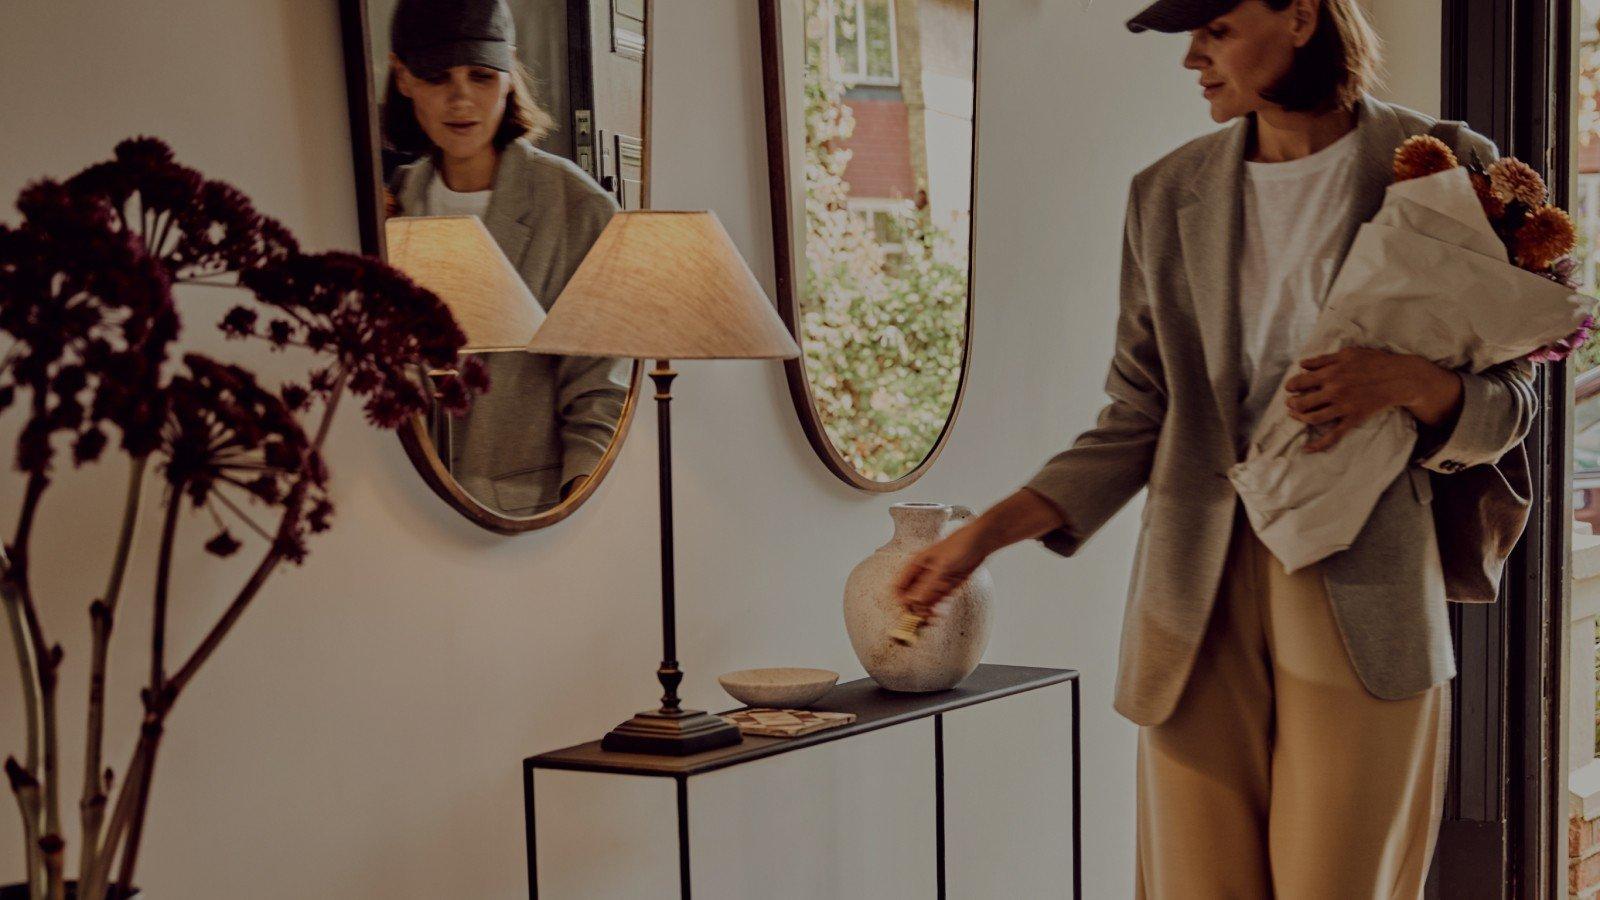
(460, 109)
(1240, 54)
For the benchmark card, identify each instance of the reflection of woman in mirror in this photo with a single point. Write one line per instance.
(1294, 726)
(458, 97)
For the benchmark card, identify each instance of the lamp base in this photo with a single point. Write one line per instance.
(664, 732)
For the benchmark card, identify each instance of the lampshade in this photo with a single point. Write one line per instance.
(664, 285)
(457, 258)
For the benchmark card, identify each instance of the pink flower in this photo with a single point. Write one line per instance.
(1559, 350)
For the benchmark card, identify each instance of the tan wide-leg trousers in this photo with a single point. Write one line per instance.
(1279, 775)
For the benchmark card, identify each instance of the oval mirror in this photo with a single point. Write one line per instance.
(488, 162)
(871, 128)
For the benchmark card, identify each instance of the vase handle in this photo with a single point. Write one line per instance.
(959, 512)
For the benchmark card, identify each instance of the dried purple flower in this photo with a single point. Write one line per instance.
(86, 286)
(91, 316)
(198, 228)
(224, 544)
(376, 323)
(239, 322)
(226, 431)
(295, 397)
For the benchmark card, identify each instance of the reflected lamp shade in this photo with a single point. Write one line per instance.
(664, 285)
(457, 258)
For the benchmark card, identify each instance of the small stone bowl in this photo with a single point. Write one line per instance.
(783, 688)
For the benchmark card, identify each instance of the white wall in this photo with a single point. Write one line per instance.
(1413, 53)
(361, 734)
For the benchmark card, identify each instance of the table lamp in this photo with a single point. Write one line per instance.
(665, 285)
(457, 258)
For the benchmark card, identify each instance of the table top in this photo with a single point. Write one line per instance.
(874, 707)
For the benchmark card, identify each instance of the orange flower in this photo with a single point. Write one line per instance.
(1545, 236)
(1493, 206)
(1514, 179)
(1422, 155)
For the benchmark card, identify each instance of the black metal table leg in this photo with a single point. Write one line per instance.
(874, 708)
(1077, 805)
(938, 799)
(529, 826)
(683, 837)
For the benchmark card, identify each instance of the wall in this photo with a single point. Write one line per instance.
(360, 735)
(1413, 52)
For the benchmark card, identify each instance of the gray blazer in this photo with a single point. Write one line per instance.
(1171, 426)
(546, 419)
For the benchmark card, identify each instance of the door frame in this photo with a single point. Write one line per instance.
(1507, 71)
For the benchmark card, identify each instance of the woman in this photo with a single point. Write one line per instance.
(1294, 728)
(458, 97)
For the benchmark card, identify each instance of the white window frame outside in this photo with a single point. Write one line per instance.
(1589, 188)
(857, 78)
(868, 206)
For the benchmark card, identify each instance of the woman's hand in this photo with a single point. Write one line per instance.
(1338, 391)
(940, 569)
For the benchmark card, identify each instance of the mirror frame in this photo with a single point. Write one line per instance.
(365, 143)
(779, 172)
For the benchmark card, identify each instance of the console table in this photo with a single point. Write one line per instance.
(874, 707)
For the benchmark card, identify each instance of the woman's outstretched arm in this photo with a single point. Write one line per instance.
(1083, 486)
(941, 567)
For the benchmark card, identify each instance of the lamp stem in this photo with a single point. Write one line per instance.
(670, 730)
(669, 674)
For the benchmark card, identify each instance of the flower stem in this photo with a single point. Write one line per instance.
(29, 806)
(92, 884)
(208, 645)
(37, 679)
(26, 789)
(132, 801)
(50, 665)
(158, 631)
(102, 615)
(334, 396)
(150, 736)
(17, 591)
(54, 866)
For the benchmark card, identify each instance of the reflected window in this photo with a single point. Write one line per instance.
(865, 51)
(887, 221)
(888, 205)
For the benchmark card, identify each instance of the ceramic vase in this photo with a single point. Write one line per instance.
(948, 648)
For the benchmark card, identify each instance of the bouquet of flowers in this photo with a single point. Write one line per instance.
(89, 319)
(1466, 266)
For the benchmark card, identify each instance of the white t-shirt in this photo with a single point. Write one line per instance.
(441, 201)
(1292, 240)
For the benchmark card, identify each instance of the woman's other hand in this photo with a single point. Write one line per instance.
(1338, 391)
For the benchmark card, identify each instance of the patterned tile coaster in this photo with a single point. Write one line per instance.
(786, 722)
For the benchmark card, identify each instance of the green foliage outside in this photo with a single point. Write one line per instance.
(1588, 122)
(882, 335)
